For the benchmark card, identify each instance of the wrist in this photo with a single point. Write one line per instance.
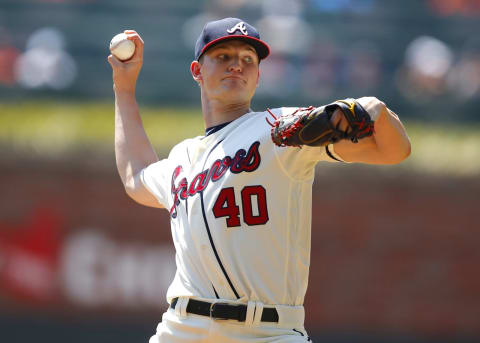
(124, 93)
(124, 87)
(125, 99)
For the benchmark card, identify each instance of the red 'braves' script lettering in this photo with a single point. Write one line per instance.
(242, 161)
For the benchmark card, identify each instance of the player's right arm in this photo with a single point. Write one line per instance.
(133, 151)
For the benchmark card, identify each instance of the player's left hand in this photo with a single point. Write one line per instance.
(372, 105)
(342, 119)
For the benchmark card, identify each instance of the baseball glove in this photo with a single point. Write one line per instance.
(312, 125)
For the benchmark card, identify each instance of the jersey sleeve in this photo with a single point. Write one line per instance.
(155, 178)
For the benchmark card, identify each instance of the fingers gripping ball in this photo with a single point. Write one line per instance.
(313, 126)
(121, 47)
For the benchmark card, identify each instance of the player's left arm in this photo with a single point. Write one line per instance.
(389, 143)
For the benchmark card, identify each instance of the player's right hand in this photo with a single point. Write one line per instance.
(125, 74)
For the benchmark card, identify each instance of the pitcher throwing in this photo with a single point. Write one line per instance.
(240, 196)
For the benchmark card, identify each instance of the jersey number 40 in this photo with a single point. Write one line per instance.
(226, 206)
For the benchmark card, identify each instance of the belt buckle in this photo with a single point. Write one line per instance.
(212, 309)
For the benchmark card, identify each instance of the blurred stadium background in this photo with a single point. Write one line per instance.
(394, 249)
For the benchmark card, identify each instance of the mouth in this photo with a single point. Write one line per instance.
(233, 77)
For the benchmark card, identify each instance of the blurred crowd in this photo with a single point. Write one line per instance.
(316, 51)
(43, 63)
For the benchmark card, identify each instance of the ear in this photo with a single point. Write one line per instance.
(195, 69)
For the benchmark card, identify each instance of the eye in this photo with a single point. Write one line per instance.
(222, 57)
(248, 59)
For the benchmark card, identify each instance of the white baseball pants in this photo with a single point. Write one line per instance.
(177, 326)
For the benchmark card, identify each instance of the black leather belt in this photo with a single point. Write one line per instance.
(219, 310)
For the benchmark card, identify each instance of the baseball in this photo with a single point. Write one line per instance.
(121, 47)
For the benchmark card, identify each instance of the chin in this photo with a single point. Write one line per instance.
(233, 93)
(235, 99)
(236, 94)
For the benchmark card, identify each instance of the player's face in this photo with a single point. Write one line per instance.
(229, 72)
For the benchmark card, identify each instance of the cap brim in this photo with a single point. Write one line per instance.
(262, 48)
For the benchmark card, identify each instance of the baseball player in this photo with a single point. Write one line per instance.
(239, 197)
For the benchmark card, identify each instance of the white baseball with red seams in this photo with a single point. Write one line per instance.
(121, 47)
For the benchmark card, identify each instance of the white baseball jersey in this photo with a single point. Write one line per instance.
(240, 212)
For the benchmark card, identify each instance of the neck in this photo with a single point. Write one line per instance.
(216, 112)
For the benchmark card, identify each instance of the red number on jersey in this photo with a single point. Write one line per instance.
(248, 217)
(225, 206)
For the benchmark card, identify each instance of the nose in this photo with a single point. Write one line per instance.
(235, 66)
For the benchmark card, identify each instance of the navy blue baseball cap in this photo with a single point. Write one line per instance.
(218, 31)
